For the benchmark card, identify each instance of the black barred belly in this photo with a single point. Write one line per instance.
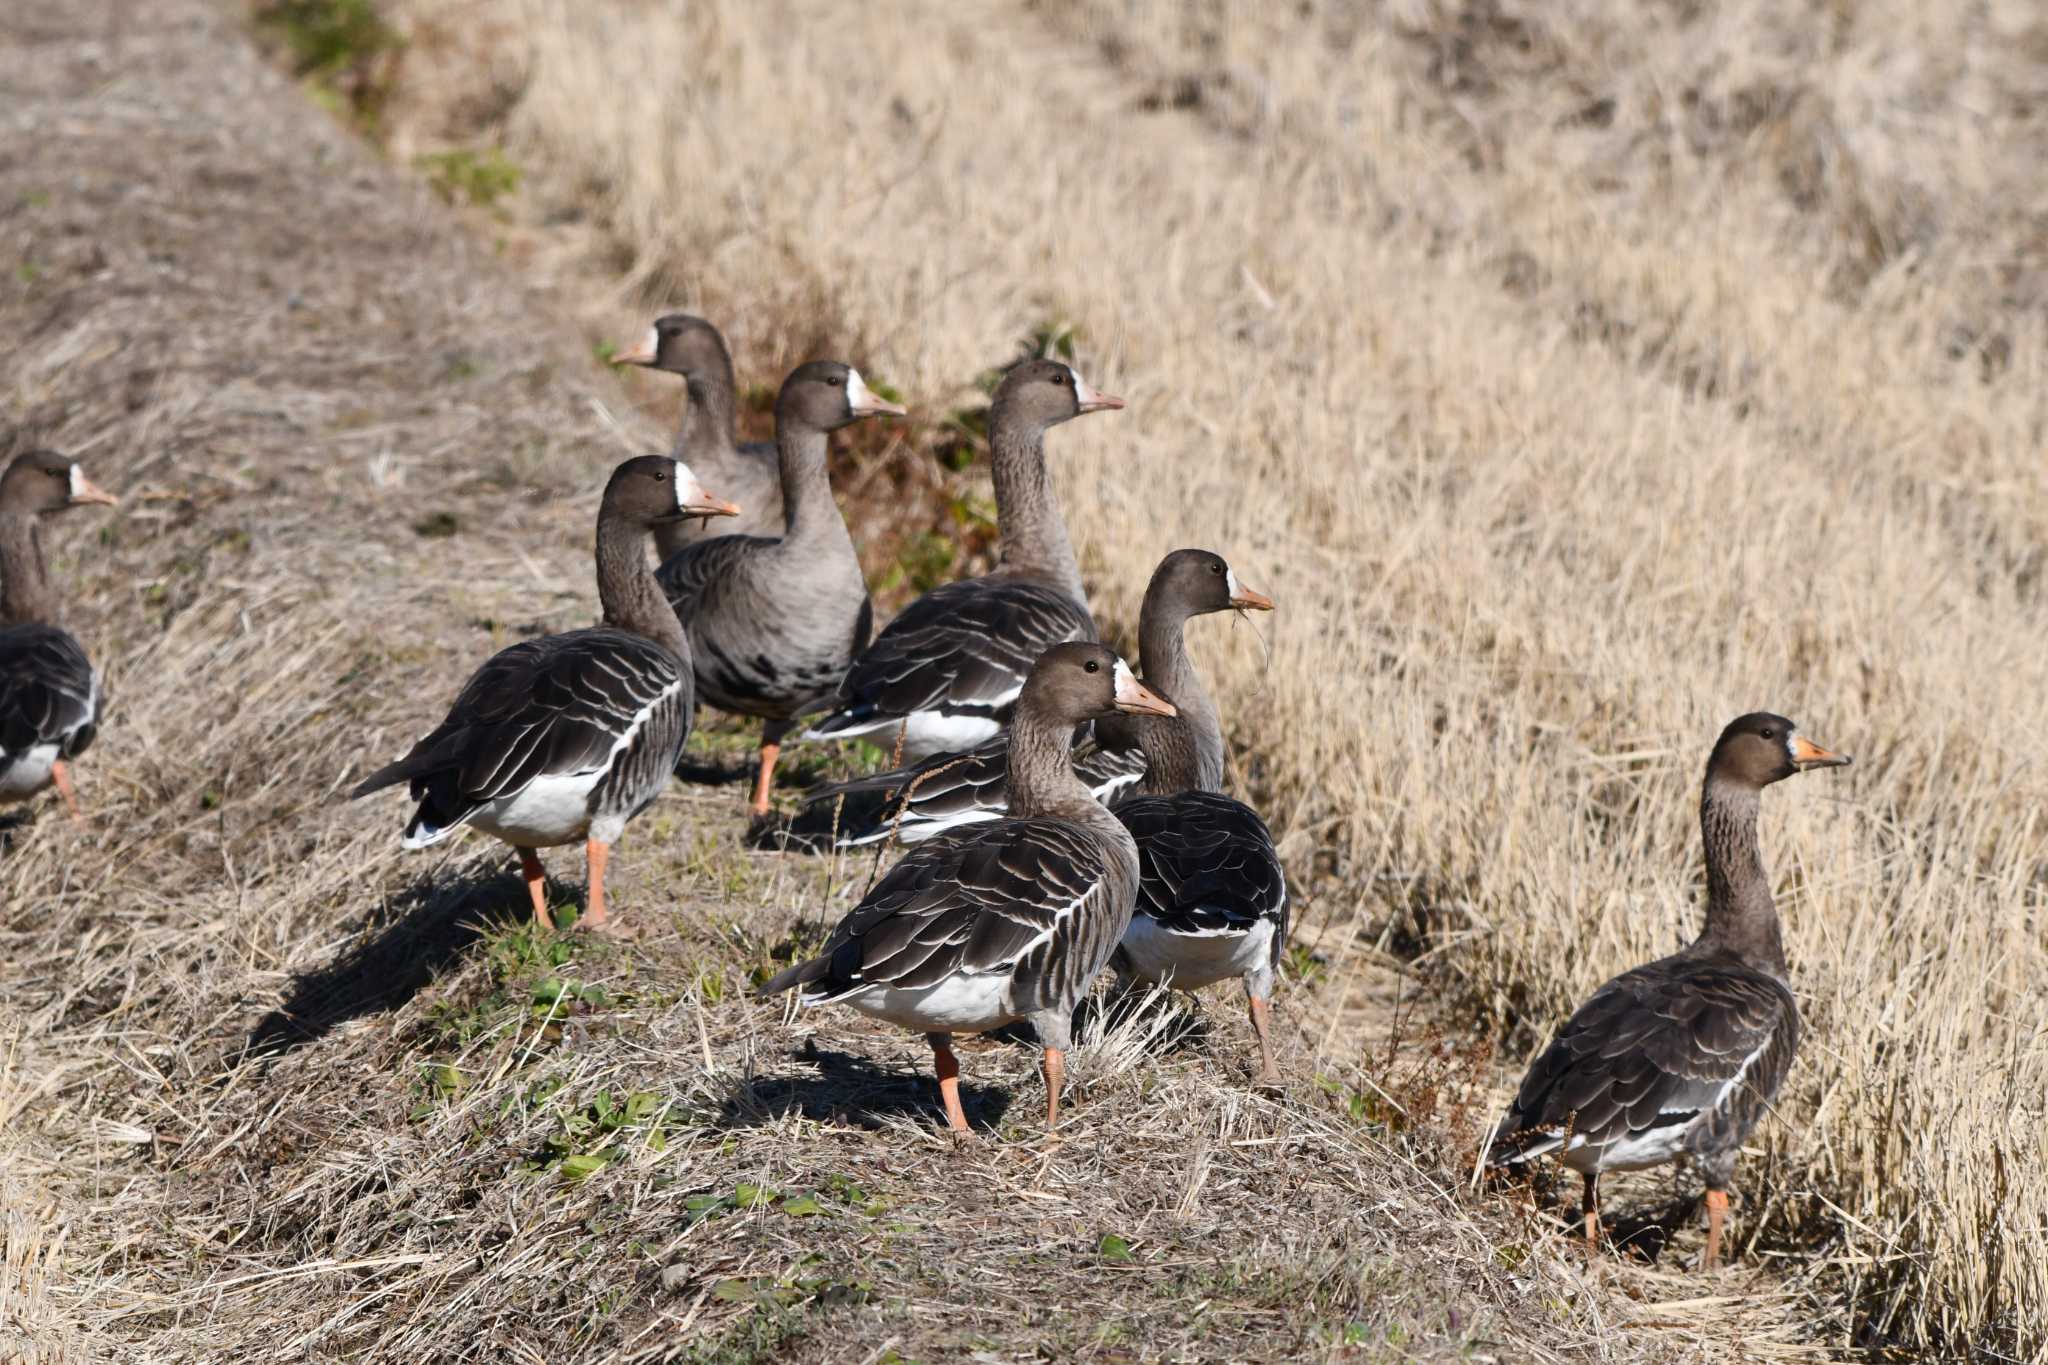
(769, 677)
(637, 775)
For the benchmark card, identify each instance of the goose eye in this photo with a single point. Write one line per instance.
(1216, 568)
(1059, 377)
(660, 477)
(1769, 733)
(1092, 666)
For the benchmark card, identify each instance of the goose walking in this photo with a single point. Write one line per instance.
(774, 622)
(1684, 1055)
(1007, 920)
(749, 474)
(49, 693)
(569, 736)
(946, 672)
(949, 790)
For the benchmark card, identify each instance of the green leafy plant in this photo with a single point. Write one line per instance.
(463, 176)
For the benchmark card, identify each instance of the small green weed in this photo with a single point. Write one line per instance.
(463, 176)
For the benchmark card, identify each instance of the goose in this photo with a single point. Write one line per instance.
(749, 474)
(49, 693)
(568, 737)
(1681, 1056)
(945, 672)
(774, 622)
(948, 790)
(1006, 920)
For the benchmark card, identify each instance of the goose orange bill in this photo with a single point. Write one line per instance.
(863, 401)
(698, 503)
(1091, 399)
(1136, 698)
(642, 353)
(84, 490)
(1807, 754)
(1246, 599)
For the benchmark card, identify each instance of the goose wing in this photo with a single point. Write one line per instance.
(1006, 897)
(48, 694)
(559, 705)
(1206, 865)
(947, 791)
(961, 649)
(1655, 1054)
(688, 575)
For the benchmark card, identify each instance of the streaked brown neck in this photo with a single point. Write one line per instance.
(707, 426)
(26, 596)
(1042, 780)
(808, 511)
(1182, 752)
(1032, 534)
(631, 598)
(1741, 917)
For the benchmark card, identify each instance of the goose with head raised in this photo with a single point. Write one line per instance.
(49, 693)
(945, 673)
(774, 621)
(1682, 1056)
(745, 473)
(1007, 920)
(948, 790)
(568, 737)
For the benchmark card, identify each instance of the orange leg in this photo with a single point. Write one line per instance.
(948, 1067)
(1717, 1211)
(1054, 1065)
(61, 775)
(593, 913)
(1262, 1018)
(770, 751)
(1590, 1206)
(536, 887)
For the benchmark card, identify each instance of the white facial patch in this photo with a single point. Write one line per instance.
(650, 345)
(1231, 584)
(1126, 684)
(77, 482)
(688, 490)
(858, 396)
(1792, 747)
(1083, 394)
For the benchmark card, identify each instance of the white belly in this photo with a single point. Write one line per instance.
(924, 733)
(28, 773)
(959, 1004)
(548, 811)
(1190, 961)
(1634, 1152)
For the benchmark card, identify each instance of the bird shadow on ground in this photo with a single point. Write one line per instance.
(852, 1090)
(429, 927)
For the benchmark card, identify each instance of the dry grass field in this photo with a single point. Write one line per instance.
(1576, 376)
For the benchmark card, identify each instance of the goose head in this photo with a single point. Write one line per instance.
(42, 481)
(1762, 747)
(680, 344)
(825, 395)
(1044, 393)
(1082, 680)
(653, 490)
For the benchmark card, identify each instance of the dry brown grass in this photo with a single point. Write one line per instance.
(271, 1090)
(1578, 376)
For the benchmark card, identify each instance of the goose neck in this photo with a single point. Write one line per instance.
(1741, 916)
(1032, 534)
(631, 598)
(26, 594)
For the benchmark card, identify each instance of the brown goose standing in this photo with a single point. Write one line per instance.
(1684, 1055)
(949, 790)
(1006, 920)
(570, 736)
(774, 622)
(49, 694)
(945, 672)
(679, 343)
